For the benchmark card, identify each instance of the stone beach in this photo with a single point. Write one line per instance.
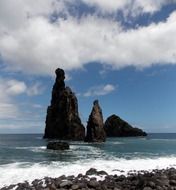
(99, 180)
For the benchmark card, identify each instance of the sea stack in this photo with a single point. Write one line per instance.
(95, 125)
(116, 127)
(62, 120)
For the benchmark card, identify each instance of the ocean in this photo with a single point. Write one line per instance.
(25, 157)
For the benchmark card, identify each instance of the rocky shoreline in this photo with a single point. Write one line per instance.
(99, 180)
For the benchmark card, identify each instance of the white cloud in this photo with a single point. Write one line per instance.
(35, 89)
(8, 109)
(39, 47)
(14, 87)
(9, 88)
(100, 90)
(25, 124)
(15, 15)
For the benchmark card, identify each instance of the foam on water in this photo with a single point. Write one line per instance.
(19, 172)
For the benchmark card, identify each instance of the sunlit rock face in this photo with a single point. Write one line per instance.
(95, 126)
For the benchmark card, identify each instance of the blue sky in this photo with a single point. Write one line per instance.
(122, 53)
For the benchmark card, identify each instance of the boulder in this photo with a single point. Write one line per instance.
(58, 146)
(62, 120)
(93, 171)
(95, 126)
(116, 127)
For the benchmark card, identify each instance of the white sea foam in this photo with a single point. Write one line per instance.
(19, 172)
(117, 142)
(33, 148)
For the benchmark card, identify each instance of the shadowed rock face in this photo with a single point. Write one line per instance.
(62, 120)
(58, 146)
(95, 126)
(116, 127)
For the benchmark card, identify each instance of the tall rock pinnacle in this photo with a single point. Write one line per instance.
(95, 126)
(62, 120)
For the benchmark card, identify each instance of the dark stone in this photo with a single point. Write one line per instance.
(95, 126)
(91, 171)
(102, 172)
(66, 184)
(74, 187)
(93, 183)
(147, 188)
(116, 127)
(143, 180)
(62, 120)
(58, 146)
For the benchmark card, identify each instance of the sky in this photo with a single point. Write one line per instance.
(122, 53)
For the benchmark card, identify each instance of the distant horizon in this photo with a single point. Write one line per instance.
(107, 137)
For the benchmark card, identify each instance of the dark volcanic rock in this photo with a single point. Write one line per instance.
(116, 127)
(63, 121)
(155, 180)
(93, 171)
(95, 126)
(58, 146)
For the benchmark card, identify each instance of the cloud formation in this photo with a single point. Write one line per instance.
(31, 43)
(128, 7)
(100, 90)
(10, 88)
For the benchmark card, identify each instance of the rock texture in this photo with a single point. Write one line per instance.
(62, 120)
(154, 180)
(116, 127)
(58, 146)
(95, 126)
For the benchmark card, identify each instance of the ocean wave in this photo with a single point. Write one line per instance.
(19, 172)
(32, 148)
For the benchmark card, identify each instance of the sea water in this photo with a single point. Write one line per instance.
(25, 157)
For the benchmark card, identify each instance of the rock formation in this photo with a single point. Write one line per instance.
(58, 145)
(116, 127)
(95, 126)
(62, 120)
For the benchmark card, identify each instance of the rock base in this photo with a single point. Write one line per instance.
(58, 146)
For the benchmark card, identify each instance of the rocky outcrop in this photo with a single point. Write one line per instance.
(58, 145)
(116, 127)
(95, 126)
(62, 120)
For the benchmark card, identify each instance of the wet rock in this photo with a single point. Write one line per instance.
(116, 127)
(93, 183)
(172, 182)
(91, 171)
(151, 184)
(74, 187)
(136, 181)
(62, 120)
(147, 188)
(95, 126)
(102, 172)
(58, 146)
(66, 184)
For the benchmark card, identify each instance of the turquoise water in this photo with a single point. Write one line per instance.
(27, 158)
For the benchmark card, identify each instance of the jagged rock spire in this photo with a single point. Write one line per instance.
(95, 126)
(62, 120)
